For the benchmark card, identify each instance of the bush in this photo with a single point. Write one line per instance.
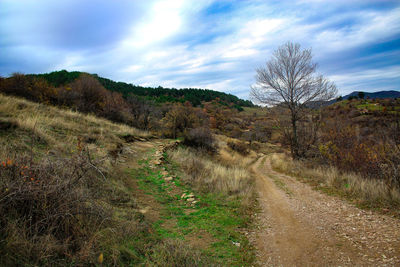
(201, 138)
(47, 212)
(239, 147)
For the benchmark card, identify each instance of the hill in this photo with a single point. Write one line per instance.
(76, 189)
(374, 95)
(356, 94)
(158, 94)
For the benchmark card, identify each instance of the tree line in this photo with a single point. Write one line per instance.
(159, 94)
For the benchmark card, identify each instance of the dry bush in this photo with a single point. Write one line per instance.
(175, 253)
(179, 118)
(209, 176)
(239, 147)
(48, 211)
(369, 191)
(116, 108)
(201, 138)
(372, 158)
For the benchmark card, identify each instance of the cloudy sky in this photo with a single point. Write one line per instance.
(213, 44)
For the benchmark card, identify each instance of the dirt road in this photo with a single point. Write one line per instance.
(299, 226)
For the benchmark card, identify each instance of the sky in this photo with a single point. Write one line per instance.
(213, 44)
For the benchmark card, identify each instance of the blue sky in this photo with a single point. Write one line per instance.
(202, 43)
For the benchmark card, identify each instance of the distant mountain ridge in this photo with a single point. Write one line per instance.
(373, 95)
(355, 94)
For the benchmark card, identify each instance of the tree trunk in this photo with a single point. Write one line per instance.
(294, 144)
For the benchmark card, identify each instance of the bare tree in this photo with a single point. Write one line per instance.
(289, 79)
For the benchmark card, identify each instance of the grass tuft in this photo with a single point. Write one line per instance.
(210, 176)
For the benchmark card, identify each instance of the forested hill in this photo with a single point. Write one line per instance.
(159, 94)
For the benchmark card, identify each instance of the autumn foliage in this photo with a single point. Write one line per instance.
(364, 143)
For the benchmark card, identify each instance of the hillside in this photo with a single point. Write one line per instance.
(76, 189)
(158, 94)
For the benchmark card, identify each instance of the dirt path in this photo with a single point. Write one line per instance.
(302, 227)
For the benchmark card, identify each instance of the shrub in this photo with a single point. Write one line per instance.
(239, 147)
(201, 138)
(47, 212)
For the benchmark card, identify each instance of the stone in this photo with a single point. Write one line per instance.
(168, 179)
(236, 243)
(190, 199)
(144, 210)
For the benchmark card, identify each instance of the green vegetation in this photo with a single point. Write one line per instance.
(211, 223)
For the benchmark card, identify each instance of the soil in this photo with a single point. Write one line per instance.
(298, 226)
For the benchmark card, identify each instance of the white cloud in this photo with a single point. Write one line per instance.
(374, 27)
(183, 43)
(362, 80)
(165, 19)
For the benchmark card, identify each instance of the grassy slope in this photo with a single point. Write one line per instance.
(56, 129)
(150, 223)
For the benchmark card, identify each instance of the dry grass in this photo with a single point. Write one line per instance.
(368, 191)
(210, 176)
(75, 204)
(49, 209)
(176, 253)
(59, 128)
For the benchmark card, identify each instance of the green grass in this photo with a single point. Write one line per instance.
(369, 106)
(249, 111)
(212, 216)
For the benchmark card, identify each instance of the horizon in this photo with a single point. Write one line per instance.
(209, 44)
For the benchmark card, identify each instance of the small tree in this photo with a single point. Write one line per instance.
(289, 79)
(361, 95)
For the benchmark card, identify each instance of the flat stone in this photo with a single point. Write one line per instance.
(236, 244)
